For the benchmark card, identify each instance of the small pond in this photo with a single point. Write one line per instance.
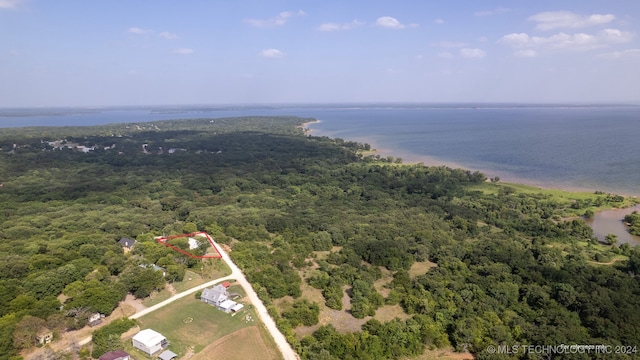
(611, 222)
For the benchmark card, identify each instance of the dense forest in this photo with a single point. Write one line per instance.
(509, 268)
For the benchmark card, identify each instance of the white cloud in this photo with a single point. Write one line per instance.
(445, 55)
(10, 4)
(272, 54)
(183, 51)
(526, 53)
(629, 53)
(567, 42)
(472, 53)
(139, 31)
(278, 20)
(439, 21)
(496, 11)
(167, 35)
(550, 20)
(392, 23)
(337, 27)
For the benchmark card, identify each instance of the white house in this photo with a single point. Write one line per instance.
(193, 243)
(219, 297)
(149, 341)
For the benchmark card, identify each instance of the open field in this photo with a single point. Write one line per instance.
(246, 343)
(190, 324)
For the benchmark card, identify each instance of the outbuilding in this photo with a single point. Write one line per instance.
(149, 341)
(167, 355)
(115, 355)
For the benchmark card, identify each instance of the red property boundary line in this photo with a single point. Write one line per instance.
(163, 241)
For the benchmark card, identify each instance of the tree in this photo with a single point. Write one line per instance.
(611, 239)
(26, 331)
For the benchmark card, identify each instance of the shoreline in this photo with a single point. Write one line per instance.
(411, 158)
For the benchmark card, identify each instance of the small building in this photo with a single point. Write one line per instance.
(95, 319)
(115, 355)
(155, 267)
(127, 243)
(149, 341)
(193, 243)
(167, 355)
(44, 336)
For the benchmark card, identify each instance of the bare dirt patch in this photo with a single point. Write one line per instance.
(421, 268)
(243, 344)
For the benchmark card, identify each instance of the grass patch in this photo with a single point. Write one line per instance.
(421, 268)
(561, 197)
(156, 298)
(190, 323)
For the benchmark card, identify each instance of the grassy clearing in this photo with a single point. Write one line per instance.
(600, 254)
(421, 268)
(562, 197)
(191, 324)
(156, 298)
(247, 343)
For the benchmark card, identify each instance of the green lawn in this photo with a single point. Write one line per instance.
(191, 323)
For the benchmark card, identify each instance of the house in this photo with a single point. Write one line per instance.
(215, 295)
(127, 243)
(218, 296)
(149, 341)
(115, 355)
(95, 319)
(155, 267)
(193, 243)
(44, 336)
(167, 355)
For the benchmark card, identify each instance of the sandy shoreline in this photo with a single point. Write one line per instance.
(413, 158)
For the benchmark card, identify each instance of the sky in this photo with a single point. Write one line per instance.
(171, 52)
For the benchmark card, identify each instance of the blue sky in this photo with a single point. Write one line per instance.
(135, 52)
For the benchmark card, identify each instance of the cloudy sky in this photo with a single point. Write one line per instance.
(135, 52)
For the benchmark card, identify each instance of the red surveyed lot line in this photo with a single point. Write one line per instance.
(163, 241)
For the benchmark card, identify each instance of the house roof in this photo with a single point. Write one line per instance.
(126, 242)
(226, 284)
(237, 307)
(114, 355)
(228, 304)
(167, 355)
(149, 337)
(216, 294)
(43, 332)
